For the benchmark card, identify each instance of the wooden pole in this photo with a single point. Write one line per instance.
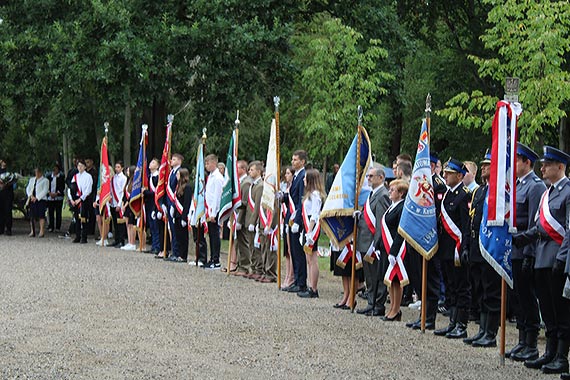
(106, 221)
(170, 118)
(424, 261)
(278, 211)
(355, 228)
(503, 320)
(142, 232)
(232, 216)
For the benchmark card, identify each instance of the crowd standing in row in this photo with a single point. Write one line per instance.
(457, 274)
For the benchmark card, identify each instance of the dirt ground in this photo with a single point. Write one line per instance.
(70, 311)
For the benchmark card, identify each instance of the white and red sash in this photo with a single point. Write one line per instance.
(178, 205)
(452, 230)
(554, 229)
(370, 220)
(250, 201)
(314, 234)
(265, 217)
(274, 238)
(114, 191)
(346, 255)
(397, 269)
(79, 192)
(292, 210)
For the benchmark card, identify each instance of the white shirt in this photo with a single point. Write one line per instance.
(84, 184)
(118, 183)
(313, 205)
(42, 187)
(214, 188)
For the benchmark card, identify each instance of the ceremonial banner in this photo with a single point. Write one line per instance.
(337, 220)
(164, 169)
(231, 195)
(495, 239)
(104, 185)
(198, 208)
(418, 224)
(270, 178)
(140, 180)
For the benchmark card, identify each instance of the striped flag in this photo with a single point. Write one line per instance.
(495, 239)
(418, 224)
(231, 195)
(270, 179)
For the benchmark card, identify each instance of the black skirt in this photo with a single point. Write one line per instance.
(347, 270)
(38, 209)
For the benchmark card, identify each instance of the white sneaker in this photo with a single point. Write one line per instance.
(127, 247)
(98, 242)
(416, 305)
(105, 243)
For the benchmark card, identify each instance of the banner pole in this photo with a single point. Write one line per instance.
(105, 224)
(232, 215)
(355, 228)
(204, 130)
(276, 101)
(170, 118)
(142, 232)
(503, 319)
(424, 261)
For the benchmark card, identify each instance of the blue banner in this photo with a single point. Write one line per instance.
(418, 224)
(339, 205)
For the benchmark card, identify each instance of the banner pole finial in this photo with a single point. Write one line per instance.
(276, 101)
(170, 118)
(106, 125)
(236, 123)
(360, 114)
(428, 103)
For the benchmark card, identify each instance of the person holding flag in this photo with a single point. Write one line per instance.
(454, 249)
(155, 224)
(172, 205)
(243, 255)
(213, 197)
(552, 234)
(81, 201)
(529, 190)
(252, 219)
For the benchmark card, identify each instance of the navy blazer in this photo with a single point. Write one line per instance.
(297, 191)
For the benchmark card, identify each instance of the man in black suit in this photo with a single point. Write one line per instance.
(296, 222)
(453, 249)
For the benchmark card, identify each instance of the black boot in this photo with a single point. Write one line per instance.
(481, 332)
(460, 329)
(431, 312)
(530, 352)
(560, 362)
(520, 345)
(549, 353)
(489, 339)
(565, 376)
(451, 325)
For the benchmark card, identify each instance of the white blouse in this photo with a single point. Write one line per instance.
(313, 204)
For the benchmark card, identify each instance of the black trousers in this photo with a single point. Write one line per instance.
(374, 276)
(54, 214)
(6, 201)
(202, 249)
(528, 318)
(413, 263)
(81, 216)
(457, 288)
(488, 282)
(182, 238)
(433, 288)
(299, 260)
(214, 238)
(476, 282)
(119, 229)
(554, 308)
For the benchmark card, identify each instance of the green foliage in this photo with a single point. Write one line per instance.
(334, 77)
(529, 40)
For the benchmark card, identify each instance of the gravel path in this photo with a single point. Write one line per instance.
(71, 311)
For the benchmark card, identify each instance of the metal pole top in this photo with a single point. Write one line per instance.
(276, 101)
(236, 123)
(428, 103)
(106, 125)
(360, 114)
(170, 118)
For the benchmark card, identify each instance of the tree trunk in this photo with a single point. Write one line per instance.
(563, 135)
(127, 136)
(65, 155)
(396, 141)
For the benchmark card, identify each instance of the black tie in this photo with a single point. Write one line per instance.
(34, 190)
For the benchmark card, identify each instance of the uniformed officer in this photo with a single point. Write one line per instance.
(243, 250)
(551, 252)
(453, 249)
(252, 219)
(433, 276)
(529, 190)
(483, 277)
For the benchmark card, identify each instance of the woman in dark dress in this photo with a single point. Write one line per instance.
(184, 194)
(344, 271)
(393, 244)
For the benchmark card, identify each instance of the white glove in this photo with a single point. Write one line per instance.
(267, 231)
(159, 215)
(164, 210)
(310, 241)
(153, 215)
(238, 226)
(279, 195)
(183, 223)
(251, 228)
(392, 259)
(356, 214)
(172, 212)
(295, 228)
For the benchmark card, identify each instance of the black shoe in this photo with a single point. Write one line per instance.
(411, 324)
(547, 357)
(560, 362)
(120, 245)
(460, 331)
(116, 243)
(529, 352)
(288, 288)
(50, 229)
(83, 241)
(565, 376)
(309, 293)
(418, 326)
(213, 265)
(365, 310)
(397, 317)
(296, 289)
(176, 259)
(376, 313)
(446, 330)
(76, 240)
(520, 345)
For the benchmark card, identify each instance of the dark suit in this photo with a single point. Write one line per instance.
(458, 289)
(172, 183)
(182, 231)
(297, 254)
(529, 191)
(554, 308)
(55, 205)
(374, 272)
